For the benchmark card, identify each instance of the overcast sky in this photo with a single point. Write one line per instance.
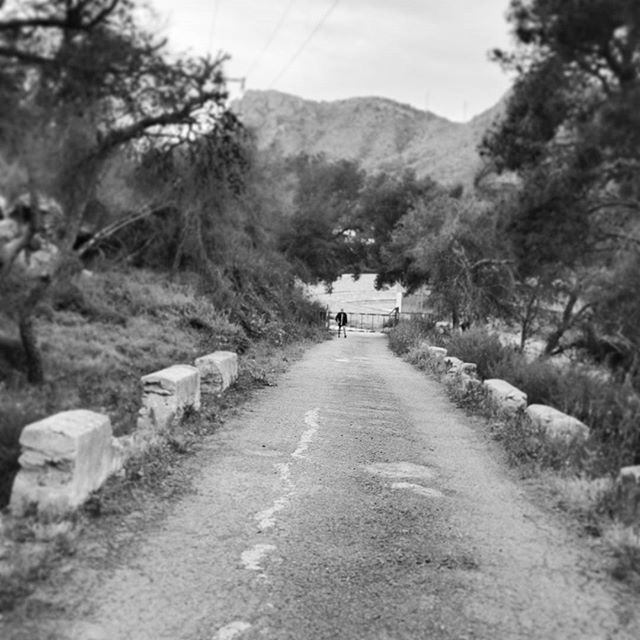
(428, 53)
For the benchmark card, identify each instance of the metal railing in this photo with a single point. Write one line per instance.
(362, 321)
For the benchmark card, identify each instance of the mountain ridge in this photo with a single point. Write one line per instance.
(379, 133)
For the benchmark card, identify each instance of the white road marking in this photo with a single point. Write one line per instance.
(311, 420)
(266, 519)
(285, 473)
(231, 630)
(251, 557)
(427, 492)
(342, 360)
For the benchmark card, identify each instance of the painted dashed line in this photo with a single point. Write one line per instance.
(266, 519)
(311, 420)
(251, 558)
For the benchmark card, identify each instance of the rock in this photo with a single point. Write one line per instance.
(469, 369)
(556, 424)
(628, 494)
(452, 364)
(64, 458)
(218, 371)
(121, 450)
(504, 397)
(166, 395)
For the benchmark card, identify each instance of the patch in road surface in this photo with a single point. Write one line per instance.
(400, 470)
(231, 630)
(416, 488)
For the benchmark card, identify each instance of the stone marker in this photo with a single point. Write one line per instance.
(628, 490)
(452, 363)
(505, 397)
(437, 356)
(218, 371)
(556, 424)
(469, 369)
(166, 395)
(64, 458)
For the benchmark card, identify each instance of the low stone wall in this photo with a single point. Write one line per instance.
(555, 424)
(166, 395)
(504, 397)
(218, 371)
(70, 454)
(64, 458)
(628, 494)
(437, 355)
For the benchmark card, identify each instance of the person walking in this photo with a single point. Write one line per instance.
(341, 319)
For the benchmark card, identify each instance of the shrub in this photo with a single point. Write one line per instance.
(541, 380)
(479, 346)
(409, 333)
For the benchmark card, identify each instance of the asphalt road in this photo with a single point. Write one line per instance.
(353, 501)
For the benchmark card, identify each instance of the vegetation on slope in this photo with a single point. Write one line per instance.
(135, 229)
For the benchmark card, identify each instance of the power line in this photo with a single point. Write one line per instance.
(271, 38)
(306, 42)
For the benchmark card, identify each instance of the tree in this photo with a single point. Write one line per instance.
(322, 237)
(572, 132)
(452, 246)
(81, 79)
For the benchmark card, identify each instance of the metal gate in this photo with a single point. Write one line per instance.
(371, 322)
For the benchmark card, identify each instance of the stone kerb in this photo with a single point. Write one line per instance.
(218, 371)
(628, 494)
(64, 458)
(166, 395)
(437, 356)
(462, 375)
(504, 397)
(555, 424)
(452, 364)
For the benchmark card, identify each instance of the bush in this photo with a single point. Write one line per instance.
(481, 347)
(409, 333)
(541, 379)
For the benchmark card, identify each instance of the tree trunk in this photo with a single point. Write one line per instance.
(553, 341)
(35, 372)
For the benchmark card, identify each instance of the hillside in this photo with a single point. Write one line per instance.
(380, 134)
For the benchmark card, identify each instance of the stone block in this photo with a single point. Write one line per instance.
(556, 424)
(166, 395)
(628, 494)
(64, 458)
(469, 369)
(218, 371)
(436, 357)
(452, 364)
(504, 397)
